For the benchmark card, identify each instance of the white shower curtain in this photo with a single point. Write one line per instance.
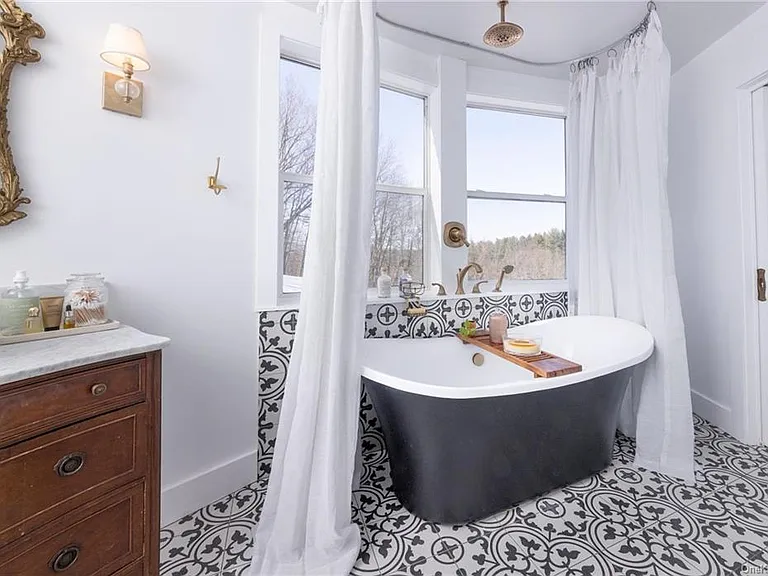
(617, 141)
(306, 526)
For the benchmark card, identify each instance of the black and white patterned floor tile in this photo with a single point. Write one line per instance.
(623, 449)
(236, 571)
(195, 544)
(246, 509)
(623, 521)
(397, 539)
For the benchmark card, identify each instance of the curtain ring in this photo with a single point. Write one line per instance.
(593, 61)
(651, 6)
(573, 67)
(615, 52)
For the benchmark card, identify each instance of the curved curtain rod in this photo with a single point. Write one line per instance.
(587, 59)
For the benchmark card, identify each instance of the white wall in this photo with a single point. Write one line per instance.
(704, 193)
(127, 197)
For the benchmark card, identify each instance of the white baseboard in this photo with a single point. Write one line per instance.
(194, 493)
(711, 410)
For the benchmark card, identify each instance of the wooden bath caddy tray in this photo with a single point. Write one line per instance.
(543, 365)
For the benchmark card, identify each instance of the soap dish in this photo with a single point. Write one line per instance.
(522, 344)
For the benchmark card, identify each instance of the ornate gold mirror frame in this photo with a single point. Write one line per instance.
(17, 28)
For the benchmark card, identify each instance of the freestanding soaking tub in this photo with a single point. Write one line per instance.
(467, 441)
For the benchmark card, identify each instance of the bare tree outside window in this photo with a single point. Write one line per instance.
(396, 238)
(298, 121)
(397, 226)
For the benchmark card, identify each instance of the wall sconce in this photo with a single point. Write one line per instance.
(124, 48)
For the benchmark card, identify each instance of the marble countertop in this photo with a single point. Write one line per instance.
(31, 359)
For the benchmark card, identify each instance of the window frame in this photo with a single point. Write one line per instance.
(449, 84)
(546, 111)
(393, 83)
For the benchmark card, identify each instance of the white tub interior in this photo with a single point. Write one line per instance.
(443, 366)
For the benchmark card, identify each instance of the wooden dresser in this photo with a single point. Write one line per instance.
(80, 459)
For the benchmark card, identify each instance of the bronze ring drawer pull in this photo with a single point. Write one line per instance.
(98, 389)
(70, 464)
(65, 559)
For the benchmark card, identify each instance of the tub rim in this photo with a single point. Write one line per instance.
(515, 386)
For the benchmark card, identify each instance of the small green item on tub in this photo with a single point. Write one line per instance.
(468, 328)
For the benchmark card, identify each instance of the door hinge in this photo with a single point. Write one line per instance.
(761, 284)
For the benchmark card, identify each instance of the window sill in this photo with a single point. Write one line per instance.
(510, 289)
(291, 301)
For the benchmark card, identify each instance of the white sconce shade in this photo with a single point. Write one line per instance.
(124, 42)
(124, 48)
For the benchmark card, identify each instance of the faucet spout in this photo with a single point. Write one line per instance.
(463, 272)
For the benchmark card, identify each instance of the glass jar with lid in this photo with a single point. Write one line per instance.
(87, 295)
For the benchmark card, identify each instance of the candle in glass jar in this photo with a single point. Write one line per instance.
(497, 326)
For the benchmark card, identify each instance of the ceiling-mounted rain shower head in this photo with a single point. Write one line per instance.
(503, 34)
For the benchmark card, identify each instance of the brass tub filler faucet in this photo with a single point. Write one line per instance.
(463, 272)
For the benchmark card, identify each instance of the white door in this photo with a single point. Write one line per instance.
(760, 143)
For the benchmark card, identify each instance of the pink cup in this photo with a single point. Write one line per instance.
(497, 326)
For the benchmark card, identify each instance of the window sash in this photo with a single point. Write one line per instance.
(525, 108)
(487, 195)
(306, 179)
(423, 94)
(383, 83)
(548, 285)
(496, 105)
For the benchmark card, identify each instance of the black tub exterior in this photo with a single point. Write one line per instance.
(458, 460)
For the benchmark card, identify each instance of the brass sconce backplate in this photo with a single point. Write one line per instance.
(111, 100)
(17, 29)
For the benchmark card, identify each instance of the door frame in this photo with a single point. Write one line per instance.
(749, 416)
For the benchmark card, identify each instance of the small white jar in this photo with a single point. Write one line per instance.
(384, 285)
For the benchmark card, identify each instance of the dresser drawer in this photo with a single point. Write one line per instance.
(48, 476)
(36, 408)
(135, 569)
(95, 540)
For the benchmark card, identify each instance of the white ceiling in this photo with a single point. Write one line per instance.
(559, 30)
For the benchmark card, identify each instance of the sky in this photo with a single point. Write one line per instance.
(506, 152)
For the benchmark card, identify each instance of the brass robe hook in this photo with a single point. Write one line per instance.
(213, 181)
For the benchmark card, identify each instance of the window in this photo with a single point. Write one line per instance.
(516, 193)
(397, 239)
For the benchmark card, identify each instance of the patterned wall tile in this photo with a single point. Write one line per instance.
(276, 331)
(387, 320)
(443, 317)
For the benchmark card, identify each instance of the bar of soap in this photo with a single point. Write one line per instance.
(521, 346)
